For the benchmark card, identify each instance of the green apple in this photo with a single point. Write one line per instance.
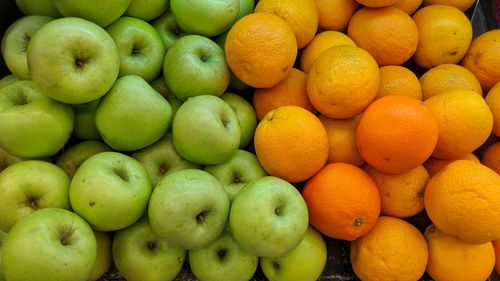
(141, 255)
(304, 263)
(102, 13)
(104, 255)
(246, 116)
(167, 27)
(7, 159)
(85, 128)
(74, 156)
(195, 65)
(15, 43)
(236, 172)
(140, 47)
(159, 85)
(268, 217)
(2, 237)
(161, 159)
(38, 7)
(132, 115)
(50, 244)
(8, 79)
(188, 208)
(32, 124)
(206, 130)
(110, 190)
(205, 17)
(246, 7)
(235, 83)
(147, 9)
(73, 60)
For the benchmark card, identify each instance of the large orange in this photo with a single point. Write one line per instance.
(342, 9)
(396, 134)
(462, 200)
(388, 34)
(491, 157)
(434, 165)
(261, 49)
(493, 101)
(398, 80)
(343, 201)
(343, 81)
(291, 143)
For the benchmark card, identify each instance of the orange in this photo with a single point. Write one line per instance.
(291, 143)
(342, 9)
(398, 80)
(261, 49)
(462, 200)
(301, 15)
(434, 165)
(453, 259)
(342, 139)
(496, 246)
(493, 101)
(408, 6)
(343, 201)
(483, 58)
(396, 134)
(320, 43)
(491, 157)
(445, 77)
(465, 122)
(462, 5)
(377, 3)
(343, 81)
(445, 34)
(402, 195)
(388, 34)
(290, 91)
(393, 250)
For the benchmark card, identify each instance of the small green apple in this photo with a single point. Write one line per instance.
(169, 30)
(235, 83)
(246, 116)
(7, 80)
(159, 85)
(141, 255)
(104, 255)
(102, 13)
(85, 128)
(147, 9)
(38, 7)
(75, 155)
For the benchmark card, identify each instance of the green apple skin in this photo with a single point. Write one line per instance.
(85, 128)
(246, 116)
(2, 237)
(161, 159)
(132, 115)
(196, 58)
(141, 255)
(140, 47)
(235, 173)
(104, 255)
(205, 17)
(8, 79)
(73, 60)
(189, 209)
(147, 9)
(49, 244)
(75, 155)
(7, 159)
(268, 217)
(169, 30)
(32, 124)
(235, 83)
(104, 184)
(246, 8)
(38, 7)
(222, 260)
(102, 13)
(159, 85)
(206, 130)
(304, 263)
(15, 43)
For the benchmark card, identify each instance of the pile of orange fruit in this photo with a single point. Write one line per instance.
(382, 109)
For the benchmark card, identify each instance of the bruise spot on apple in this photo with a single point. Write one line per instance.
(91, 203)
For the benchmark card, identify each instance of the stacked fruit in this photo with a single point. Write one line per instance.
(231, 133)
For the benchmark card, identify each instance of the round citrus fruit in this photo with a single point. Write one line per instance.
(462, 5)
(493, 101)
(434, 165)
(491, 157)
(342, 9)
(408, 6)
(398, 80)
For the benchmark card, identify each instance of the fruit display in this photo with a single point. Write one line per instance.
(238, 140)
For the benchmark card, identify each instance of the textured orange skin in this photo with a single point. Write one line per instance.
(342, 9)
(434, 165)
(462, 5)
(377, 3)
(398, 80)
(493, 101)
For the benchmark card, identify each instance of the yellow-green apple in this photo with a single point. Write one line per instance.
(15, 43)
(110, 190)
(195, 65)
(73, 60)
(311, 254)
(85, 128)
(268, 217)
(8, 79)
(49, 244)
(236, 172)
(167, 27)
(206, 130)
(188, 208)
(38, 7)
(132, 115)
(205, 17)
(2, 237)
(235, 83)
(147, 9)
(32, 124)
(222, 260)
(246, 116)
(140, 47)
(246, 7)
(161, 159)
(141, 255)
(7, 159)
(71, 158)
(104, 255)
(102, 13)
(159, 85)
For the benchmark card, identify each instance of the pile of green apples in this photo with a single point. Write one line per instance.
(125, 139)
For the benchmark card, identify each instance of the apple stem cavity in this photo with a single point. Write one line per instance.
(32, 202)
(222, 253)
(151, 245)
(200, 218)
(278, 211)
(26, 38)
(20, 98)
(276, 266)
(122, 173)
(65, 235)
(163, 169)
